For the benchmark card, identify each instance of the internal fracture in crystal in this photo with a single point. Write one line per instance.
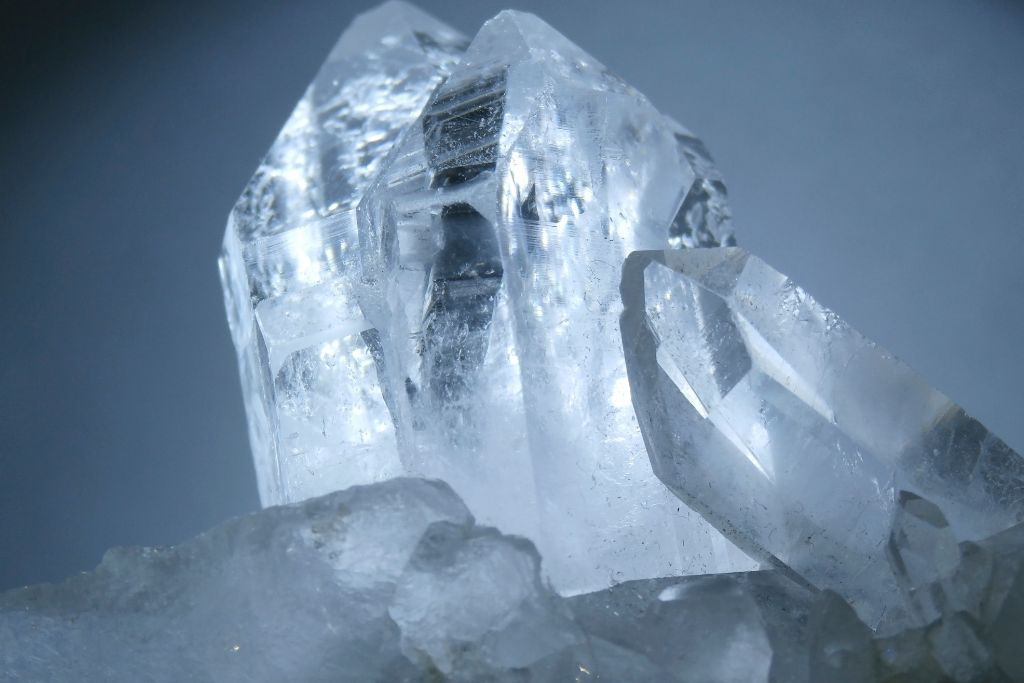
(792, 434)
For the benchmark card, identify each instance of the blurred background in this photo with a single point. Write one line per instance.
(874, 152)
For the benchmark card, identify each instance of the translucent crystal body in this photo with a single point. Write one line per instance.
(309, 360)
(492, 241)
(791, 433)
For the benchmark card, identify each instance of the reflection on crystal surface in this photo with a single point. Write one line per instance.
(790, 432)
(310, 361)
(492, 242)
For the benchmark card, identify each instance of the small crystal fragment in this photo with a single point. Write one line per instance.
(472, 600)
(791, 433)
(924, 554)
(841, 650)
(387, 582)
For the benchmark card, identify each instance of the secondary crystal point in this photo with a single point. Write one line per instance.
(792, 433)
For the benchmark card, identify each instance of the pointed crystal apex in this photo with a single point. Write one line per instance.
(394, 23)
(513, 36)
(791, 433)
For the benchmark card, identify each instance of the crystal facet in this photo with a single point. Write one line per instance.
(791, 433)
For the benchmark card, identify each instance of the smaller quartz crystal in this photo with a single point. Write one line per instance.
(791, 433)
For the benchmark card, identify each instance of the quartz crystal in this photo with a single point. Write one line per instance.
(422, 279)
(793, 434)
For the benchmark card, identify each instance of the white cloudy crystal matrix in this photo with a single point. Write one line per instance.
(422, 279)
(792, 433)
(391, 583)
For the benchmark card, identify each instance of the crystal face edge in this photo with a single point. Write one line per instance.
(790, 431)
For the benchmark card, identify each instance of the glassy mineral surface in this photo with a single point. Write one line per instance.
(792, 434)
(423, 279)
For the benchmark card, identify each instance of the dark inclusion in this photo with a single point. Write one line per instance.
(460, 128)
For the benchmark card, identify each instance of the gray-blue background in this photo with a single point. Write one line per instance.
(874, 151)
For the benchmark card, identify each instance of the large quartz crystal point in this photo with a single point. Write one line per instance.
(492, 241)
(791, 433)
(311, 364)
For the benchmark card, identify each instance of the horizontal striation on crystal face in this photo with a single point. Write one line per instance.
(492, 242)
(792, 433)
(310, 361)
